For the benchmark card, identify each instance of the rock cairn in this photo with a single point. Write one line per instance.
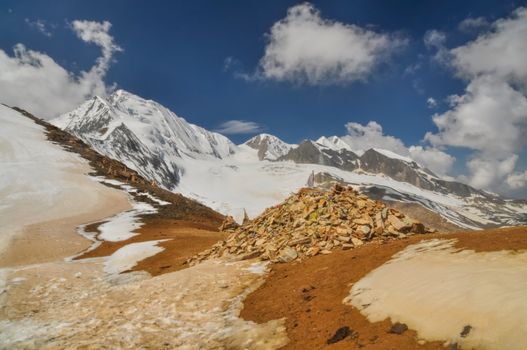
(313, 221)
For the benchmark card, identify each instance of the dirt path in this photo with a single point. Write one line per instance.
(310, 294)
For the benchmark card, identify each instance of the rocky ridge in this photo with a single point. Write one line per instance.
(310, 222)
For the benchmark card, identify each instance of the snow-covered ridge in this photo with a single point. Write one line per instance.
(333, 142)
(394, 155)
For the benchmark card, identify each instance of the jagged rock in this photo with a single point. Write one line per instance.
(246, 219)
(229, 224)
(311, 222)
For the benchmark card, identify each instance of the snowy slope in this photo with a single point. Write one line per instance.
(41, 182)
(242, 181)
(144, 135)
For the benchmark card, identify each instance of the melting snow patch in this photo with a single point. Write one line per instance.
(127, 257)
(155, 199)
(259, 268)
(439, 290)
(121, 226)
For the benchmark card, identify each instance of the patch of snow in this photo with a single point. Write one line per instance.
(39, 181)
(446, 289)
(259, 268)
(122, 226)
(393, 155)
(128, 256)
(154, 199)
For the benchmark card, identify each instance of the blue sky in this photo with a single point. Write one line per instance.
(177, 53)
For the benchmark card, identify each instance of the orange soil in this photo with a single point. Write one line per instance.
(310, 293)
(185, 239)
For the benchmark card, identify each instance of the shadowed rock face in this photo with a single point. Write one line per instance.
(128, 149)
(308, 152)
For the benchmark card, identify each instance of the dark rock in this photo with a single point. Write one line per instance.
(466, 330)
(398, 328)
(340, 334)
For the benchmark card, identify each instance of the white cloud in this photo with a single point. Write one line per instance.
(431, 102)
(363, 137)
(517, 180)
(470, 25)
(303, 47)
(239, 127)
(40, 25)
(501, 52)
(489, 173)
(490, 117)
(34, 81)
(434, 159)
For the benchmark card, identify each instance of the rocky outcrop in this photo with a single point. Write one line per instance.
(309, 152)
(314, 221)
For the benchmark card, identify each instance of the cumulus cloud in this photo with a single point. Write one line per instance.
(40, 25)
(490, 117)
(489, 173)
(438, 161)
(517, 180)
(34, 81)
(303, 47)
(363, 137)
(501, 52)
(239, 127)
(470, 25)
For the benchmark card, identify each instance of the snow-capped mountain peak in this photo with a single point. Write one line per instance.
(269, 146)
(143, 134)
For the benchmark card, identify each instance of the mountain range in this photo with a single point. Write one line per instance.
(207, 166)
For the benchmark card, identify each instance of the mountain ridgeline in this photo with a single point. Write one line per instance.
(163, 147)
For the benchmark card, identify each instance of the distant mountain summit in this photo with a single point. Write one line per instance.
(269, 147)
(142, 134)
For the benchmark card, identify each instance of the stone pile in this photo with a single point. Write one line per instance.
(313, 221)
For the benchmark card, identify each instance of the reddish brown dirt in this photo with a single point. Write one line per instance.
(309, 294)
(185, 240)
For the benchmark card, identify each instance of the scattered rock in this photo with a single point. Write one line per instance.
(311, 222)
(356, 241)
(339, 335)
(287, 254)
(398, 328)
(466, 330)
